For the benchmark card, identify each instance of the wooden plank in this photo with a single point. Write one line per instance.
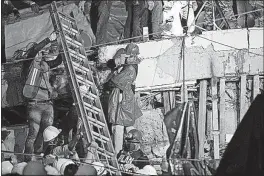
(184, 93)
(222, 109)
(255, 86)
(215, 117)
(202, 117)
(166, 101)
(172, 99)
(209, 124)
(242, 97)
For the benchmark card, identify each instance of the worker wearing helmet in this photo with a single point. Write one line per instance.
(131, 158)
(50, 136)
(123, 109)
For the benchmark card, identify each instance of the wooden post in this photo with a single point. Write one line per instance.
(166, 101)
(209, 123)
(202, 117)
(215, 118)
(255, 86)
(172, 99)
(242, 99)
(184, 94)
(222, 109)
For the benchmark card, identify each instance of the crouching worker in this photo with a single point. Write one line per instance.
(54, 148)
(132, 158)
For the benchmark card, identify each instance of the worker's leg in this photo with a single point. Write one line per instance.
(46, 120)
(103, 13)
(136, 27)
(34, 115)
(118, 132)
(3, 54)
(156, 19)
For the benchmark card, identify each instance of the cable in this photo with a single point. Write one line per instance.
(127, 39)
(229, 46)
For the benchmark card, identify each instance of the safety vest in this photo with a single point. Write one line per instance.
(35, 76)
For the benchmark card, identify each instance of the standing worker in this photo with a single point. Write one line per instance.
(156, 17)
(39, 95)
(123, 109)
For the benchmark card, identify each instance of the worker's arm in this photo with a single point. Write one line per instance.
(73, 142)
(56, 62)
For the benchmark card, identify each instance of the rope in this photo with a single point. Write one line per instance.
(180, 159)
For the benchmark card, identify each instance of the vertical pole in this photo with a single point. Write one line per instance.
(184, 88)
(255, 86)
(242, 98)
(222, 109)
(215, 118)
(202, 117)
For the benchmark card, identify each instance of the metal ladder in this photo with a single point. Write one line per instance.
(84, 90)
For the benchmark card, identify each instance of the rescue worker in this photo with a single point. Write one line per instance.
(39, 94)
(156, 17)
(50, 136)
(123, 109)
(131, 158)
(104, 7)
(137, 19)
(182, 10)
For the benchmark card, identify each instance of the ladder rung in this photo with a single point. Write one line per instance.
(85, 92)
(67, 28)
(96, 122)
(92, 108)
(66, 18)
(74, 53)
(105, 152)
(100, 137)
(70, 41)
(83, 80)
(73, 41)
(80, 68)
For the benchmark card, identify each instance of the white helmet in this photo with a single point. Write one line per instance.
(50, 133)
(147, 170)
(18, 168)
(61, 164)
(100, 168)
(6, 167)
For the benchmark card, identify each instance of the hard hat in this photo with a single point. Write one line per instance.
(61, 164)
(134, 135)
(86, 169)
(119, 52)
(132, 49)
(6, 167)
(50, 133)
(18, 168)
(147, 170)
(34, 168)
(100, 168)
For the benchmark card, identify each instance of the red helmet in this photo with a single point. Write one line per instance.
(134, 136)
(132, 49)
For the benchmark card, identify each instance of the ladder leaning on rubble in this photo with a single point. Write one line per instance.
(83, 88)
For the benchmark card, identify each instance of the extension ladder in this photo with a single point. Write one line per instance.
(84, 90)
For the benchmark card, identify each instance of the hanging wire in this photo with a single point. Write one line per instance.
(127, 39)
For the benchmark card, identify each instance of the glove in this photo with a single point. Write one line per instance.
(151, 5)
(34, 7)
(16, 13)
(53, 36)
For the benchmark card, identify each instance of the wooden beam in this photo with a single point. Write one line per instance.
(209, 124)
(202, 117)
(242, 96)
(255, 86)
(166, 101)
(172, 99)
(222, 109)
(215, 117)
